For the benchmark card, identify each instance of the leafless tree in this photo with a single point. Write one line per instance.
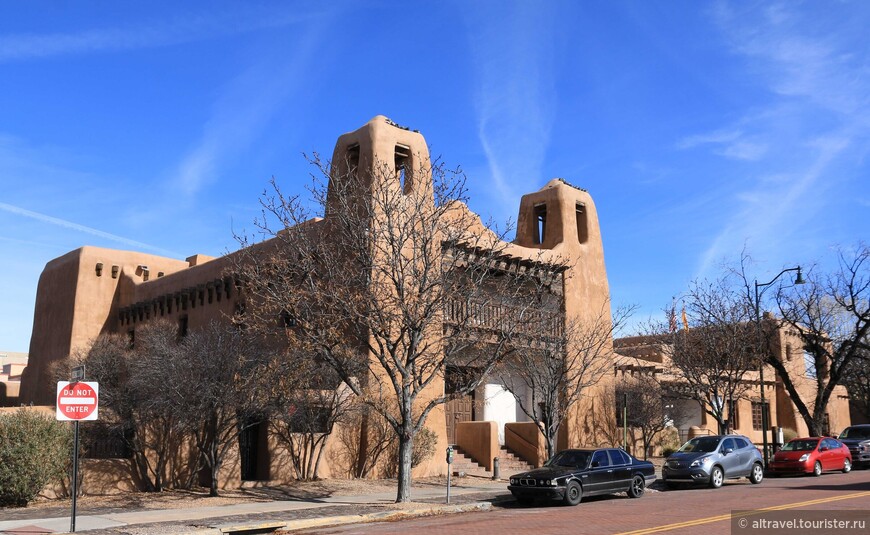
(857, 381)
(308, 400)
(650, 407)
(389, 289)
(831, 315)
(712, 356)
(223, 388)
(364, 439)
(133, 382)
(548, 380)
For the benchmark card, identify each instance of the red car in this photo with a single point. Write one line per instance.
(812, 455)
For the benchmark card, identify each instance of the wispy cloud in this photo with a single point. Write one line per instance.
(733, 144)
(819, 88)
(181, 29)
(82, 228)
(513, 54)
(242, 110)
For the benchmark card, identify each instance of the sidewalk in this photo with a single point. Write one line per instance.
(289, 514)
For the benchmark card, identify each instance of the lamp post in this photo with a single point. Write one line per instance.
(764, 416)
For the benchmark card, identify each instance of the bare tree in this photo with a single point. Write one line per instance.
(712, 356)
(857, 381)
(548, 380)
(364, 439)
(831, 315)
(133, 385)
(223, 389)
(394, 285)
(650, 407)
(308, 401)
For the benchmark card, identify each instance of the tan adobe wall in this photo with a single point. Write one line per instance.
(75, 303)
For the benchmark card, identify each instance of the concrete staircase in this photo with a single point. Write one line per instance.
(509, 464)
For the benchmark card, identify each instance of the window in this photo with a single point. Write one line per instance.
(402, 158)
(182, 326)
(733, 414)
(352, 158)
(757, 418)
(810, 363)
(582, 229)
(616, 458)
(728, 444)
(600, 457)
(540, 223)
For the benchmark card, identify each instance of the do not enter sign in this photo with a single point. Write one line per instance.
(77, 400)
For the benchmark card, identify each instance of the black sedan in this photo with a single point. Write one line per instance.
(572, 474)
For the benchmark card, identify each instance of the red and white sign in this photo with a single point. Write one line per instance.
(77, 400)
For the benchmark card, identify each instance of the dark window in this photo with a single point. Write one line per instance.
(601, 458)
(616, 458)
(309, 419)
(182, 326)
(582, 229)
(733, 414)
(757, 421)
(728, 444)
(352, 158)
(101, 442)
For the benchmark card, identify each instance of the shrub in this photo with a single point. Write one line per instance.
(34, 451)
(424, 446)
(788, 434)
(667, 452)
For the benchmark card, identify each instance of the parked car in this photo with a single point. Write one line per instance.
(811, 455)
(572, 474)
(713, 459)
(857, 439)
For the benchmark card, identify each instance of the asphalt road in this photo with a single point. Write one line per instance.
(682, 511)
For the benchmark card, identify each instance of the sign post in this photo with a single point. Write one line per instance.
(76, 401)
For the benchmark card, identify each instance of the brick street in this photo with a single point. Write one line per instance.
(697, 510)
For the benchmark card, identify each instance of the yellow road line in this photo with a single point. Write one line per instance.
(718, 518)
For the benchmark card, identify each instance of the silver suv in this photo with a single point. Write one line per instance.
(712, 459)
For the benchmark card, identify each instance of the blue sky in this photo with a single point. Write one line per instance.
(698, 127)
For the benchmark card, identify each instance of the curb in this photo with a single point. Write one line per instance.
(327, 521)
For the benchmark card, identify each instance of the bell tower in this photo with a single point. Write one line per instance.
(380, 150)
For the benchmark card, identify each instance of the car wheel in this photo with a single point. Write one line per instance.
(573, 493)
(817, 469)
(757, 474)
(638, 484)
(716, 477)
(847, 466)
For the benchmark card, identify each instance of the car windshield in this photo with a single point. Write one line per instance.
(800, 445)
(700, 445)
(573, 459)
(862, 433)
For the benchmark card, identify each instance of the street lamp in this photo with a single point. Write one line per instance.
(764, 416)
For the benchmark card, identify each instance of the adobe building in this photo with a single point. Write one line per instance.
(645, 355)
(93, 290)
(12, 365)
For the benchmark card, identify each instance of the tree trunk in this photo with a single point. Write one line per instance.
(551, 444)
(406, 447)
